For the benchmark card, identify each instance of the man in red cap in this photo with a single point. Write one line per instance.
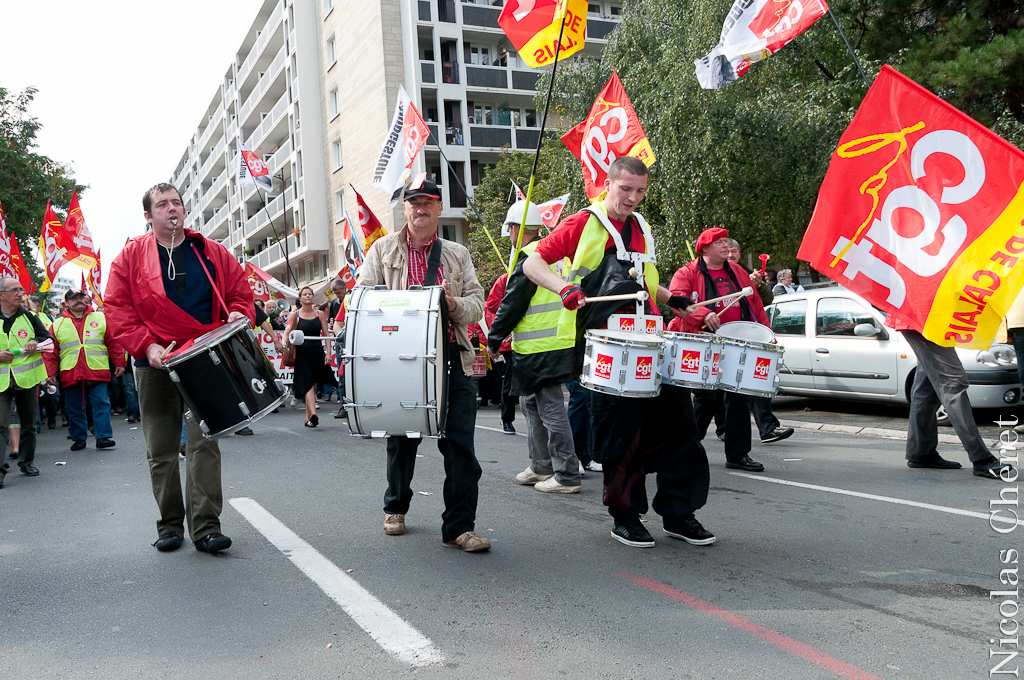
(709, 276)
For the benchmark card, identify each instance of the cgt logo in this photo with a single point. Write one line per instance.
(762, 367)
(644, 368)
(627, 324)
(652, 327)
(690, 361)
(603, 367)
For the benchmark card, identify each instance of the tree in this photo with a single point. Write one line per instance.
(28, 179)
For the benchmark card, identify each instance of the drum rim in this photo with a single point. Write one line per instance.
(647, 341)
(620, 393)
(703, 338)
(762, 346)
(744, 324)
(249, 420)
(199, 345)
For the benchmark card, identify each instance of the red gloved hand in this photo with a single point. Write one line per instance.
(572, 297)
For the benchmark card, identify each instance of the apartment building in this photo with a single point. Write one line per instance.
(339, 64)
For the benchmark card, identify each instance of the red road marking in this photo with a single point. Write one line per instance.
(781, 641)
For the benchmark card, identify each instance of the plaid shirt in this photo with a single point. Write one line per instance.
(418, 269)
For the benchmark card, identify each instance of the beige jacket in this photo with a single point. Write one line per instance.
(387, 264)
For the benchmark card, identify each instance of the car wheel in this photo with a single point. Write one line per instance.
(942, 416)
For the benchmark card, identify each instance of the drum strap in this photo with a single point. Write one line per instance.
(433, 264)
(213, 284)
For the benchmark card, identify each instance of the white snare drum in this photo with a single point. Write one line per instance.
(746, 330)
(623, 363)
(692, 360)
(396, 373)
(749, 367)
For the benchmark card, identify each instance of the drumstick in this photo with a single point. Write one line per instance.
(166, 351)
(743, 293)
(639, 297)
(735, 300)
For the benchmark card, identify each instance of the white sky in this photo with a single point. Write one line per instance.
(122, 86)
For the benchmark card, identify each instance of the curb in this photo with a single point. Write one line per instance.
(871, 432)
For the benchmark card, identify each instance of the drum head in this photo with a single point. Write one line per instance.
(206, 341)
(746, 330)
(626, 337)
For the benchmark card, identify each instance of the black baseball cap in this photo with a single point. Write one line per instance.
(73, 292)
(422, 187)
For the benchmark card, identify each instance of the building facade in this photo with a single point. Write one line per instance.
(312, 90)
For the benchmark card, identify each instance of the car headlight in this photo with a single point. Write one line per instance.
(1000, 356)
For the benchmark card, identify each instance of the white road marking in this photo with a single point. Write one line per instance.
(886, 499)
(386, 628)
(498, 429)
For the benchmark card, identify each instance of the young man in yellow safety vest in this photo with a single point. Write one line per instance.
(84, 348)
(21, 370)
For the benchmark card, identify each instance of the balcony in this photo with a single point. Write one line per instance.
(211, 160)
(525, 80)
(264, 84)
(265, 34)
(274, 255)
(450, 72)
(481, 15)
(599, 30)
(423, 7)
(427, 72)
(491, 136)
(453, 135)
(214, 124)
(486, 76)
(255, 224)
(446, 11)
(268, 124)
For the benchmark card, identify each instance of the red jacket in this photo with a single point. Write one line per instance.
(689, 281)
(138, 310)
(491, 307)
(81, 371)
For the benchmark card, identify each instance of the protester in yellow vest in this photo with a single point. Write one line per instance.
(21, 370)
(84, 348)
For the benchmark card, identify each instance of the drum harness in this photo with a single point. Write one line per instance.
(624, 254)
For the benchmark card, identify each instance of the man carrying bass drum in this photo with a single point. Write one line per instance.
(416, 256)
(631, 437)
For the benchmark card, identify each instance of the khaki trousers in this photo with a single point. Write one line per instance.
(161, 407)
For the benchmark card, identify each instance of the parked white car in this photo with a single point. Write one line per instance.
(837, 347)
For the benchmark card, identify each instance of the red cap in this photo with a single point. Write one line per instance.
(709, 236)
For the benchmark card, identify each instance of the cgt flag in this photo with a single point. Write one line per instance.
(754, 30)
(78, 236)
(95, 279)
(407, 135)
(53, 247)
(611, 130)
(921, 213)
(249, 169)
(368, 222)
(20, 268)
(11, 263)
(551, 211)
(353, 254)
(533, 25)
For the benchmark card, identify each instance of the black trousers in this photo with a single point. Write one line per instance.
(765, 420)
(461, 469)
(707, 403)
(633, 438)
(508, 402)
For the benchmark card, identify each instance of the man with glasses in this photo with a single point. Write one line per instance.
(21, 370)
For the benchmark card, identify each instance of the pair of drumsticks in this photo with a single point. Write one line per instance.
(643, 295)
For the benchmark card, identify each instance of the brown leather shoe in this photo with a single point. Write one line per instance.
(394, 525)
(469, 542)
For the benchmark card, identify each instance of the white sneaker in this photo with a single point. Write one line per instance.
(594, 466)
(528, 476)
(552, 486)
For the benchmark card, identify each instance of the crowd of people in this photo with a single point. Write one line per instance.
(172, 285)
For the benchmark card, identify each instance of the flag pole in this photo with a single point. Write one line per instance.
(540, 142)
(471, 204)
(287, 265)
(855, 61)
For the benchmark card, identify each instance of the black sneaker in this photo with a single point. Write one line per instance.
(342, 413)
(244, 432)
(105, 443)
(213, 543)
(172, 540)
(3, 473)
(29, 470)
(508, 428)
(992, 469)
(78, 445)
(688, 529)
(633, 533)
(777, 434)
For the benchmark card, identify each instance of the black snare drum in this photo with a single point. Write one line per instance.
(226, 379)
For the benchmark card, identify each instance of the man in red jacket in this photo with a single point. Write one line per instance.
(173, 285)
(83, 348)
(713, 275)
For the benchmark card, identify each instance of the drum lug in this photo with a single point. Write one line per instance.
(243, 408)
(406, 357)
(203, 427)
(413, 435)
(410, 312)
(378, 434)
(188, 415)
(622, 377)
(625, 358)
(588, 350)
(371, 357)
(674, 349)
(743, 357)
(372, 404)
(174, 376)
(214, 358)
(374, 312)
(380, 287)
(706, 373)
(739, 376)
(409, 404)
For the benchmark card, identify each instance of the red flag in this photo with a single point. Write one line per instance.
(249, 169)
(20, 269)
(533, 27)
(53, 248)
(372, 228)
(920, 213)
(77, 238)
(94, 279)
(6, 265)
(610, 131)
(551, 211)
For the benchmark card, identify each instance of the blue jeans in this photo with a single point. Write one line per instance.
(579, 419)
(131, 395)
(74, 401)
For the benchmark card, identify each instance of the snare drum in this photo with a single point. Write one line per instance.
(396, 362)
(692, 360)
(225, 379)
(750, 362)
(623, 363)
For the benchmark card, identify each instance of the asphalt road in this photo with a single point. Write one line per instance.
(804, 581)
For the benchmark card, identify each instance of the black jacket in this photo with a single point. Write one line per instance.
(530, 372)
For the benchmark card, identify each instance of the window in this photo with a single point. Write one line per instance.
(336, 154)
(332, 55)
(839, 316)
(531, 118)
(328, 6)
(789, 318)
(333, 104)
(615, 10)
(339, 205)
(593, 8)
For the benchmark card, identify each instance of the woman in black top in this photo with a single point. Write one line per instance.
(311, 362)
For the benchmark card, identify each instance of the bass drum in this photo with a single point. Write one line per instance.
(225, 379)
(396, 362)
